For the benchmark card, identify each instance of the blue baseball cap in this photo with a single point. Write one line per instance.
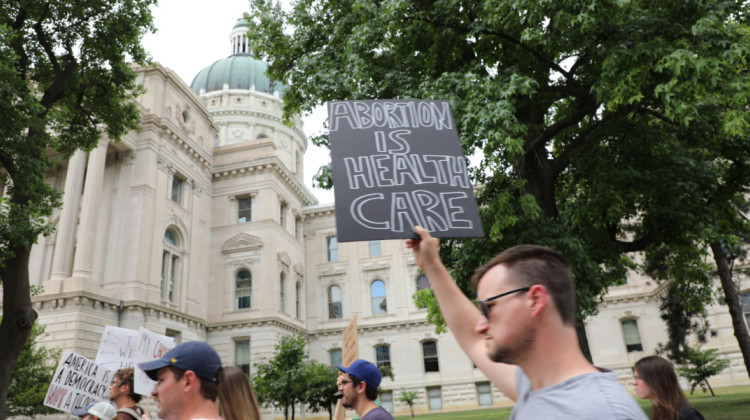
(364, 370)
(197, 356)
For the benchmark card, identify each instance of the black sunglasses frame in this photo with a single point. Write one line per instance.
(486, 309)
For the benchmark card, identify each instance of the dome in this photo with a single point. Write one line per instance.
(239, 71)
(241, 22)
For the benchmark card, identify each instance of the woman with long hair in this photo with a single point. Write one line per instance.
(236, 400)
(656, 380)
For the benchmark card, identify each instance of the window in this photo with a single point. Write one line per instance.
(484, 393)
(379, 304)
(631, 335)
(297, 163)
(336, 357)
(176, 335)
(383, 355)
(298, 228)
(334, 302)
(386, 400)
(242, 355)
(297, 299)
(170, 266)
(244, 209)
(429, 352)
(243, 289)
(745, 301)
(282, 215)
(333, 249)
(282, 288)
(177, 184)
(436, 401)
(422, 282)
(374, 248)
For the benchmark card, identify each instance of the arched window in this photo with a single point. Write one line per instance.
(170, 266)
(334, 302)
(379, 304)
(422, 282)
(297, 299)
(282, 289)
(243, 289)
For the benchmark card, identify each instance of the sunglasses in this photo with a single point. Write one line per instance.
(486, 308)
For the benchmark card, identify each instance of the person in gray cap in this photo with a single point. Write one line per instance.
(96, 411)
(358, 384)
(186, 382)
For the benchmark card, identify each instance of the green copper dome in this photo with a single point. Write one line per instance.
(239, 71)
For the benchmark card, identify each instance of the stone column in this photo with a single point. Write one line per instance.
(84, 258)
(66, 227)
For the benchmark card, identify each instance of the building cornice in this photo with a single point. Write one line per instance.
(262, 165)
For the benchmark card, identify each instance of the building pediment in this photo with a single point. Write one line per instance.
(242, 242)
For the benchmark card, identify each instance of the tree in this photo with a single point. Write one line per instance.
(408, 397)
(606, 128)
(63, 79)
(281, 382)
(701, 365)
(321, 387)
(31, 377)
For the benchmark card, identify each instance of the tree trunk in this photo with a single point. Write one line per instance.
(709, 387)
(583, 340)
(732, 298)
(18, 317)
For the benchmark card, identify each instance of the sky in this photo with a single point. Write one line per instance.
(192, 34)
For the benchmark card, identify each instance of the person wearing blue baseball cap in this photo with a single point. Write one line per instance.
(187, 380)
(358, 384)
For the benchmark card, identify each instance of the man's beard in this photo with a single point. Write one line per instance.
(513, 354)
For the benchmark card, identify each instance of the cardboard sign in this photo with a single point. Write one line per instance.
(150, 346)
(350, 350)
(397, 164)
(77, 383)
(117, 348)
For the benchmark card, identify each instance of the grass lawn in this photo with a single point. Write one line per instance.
(732, 403)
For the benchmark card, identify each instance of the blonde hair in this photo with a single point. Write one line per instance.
(236, 397)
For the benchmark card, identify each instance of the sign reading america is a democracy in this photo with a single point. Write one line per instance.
(397, 164)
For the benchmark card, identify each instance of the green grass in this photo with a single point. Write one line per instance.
(731, 403)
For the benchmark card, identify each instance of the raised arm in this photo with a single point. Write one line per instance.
(459, 312)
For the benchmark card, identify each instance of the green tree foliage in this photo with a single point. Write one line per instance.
(408, 397)
(64, 78)
(281, 381)
(606, 127)
(701, 365)
(31, 377)
(320, 387)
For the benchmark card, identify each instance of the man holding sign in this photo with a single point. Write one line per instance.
(187, 380)
(523, 338)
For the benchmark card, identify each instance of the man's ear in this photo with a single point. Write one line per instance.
(190, 380)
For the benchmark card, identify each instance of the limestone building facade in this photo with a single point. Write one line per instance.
(198, 225)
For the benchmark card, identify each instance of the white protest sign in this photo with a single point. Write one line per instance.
(150, 346)
(77, 383)
(117, 348)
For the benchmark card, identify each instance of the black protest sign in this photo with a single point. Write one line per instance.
(397, 164)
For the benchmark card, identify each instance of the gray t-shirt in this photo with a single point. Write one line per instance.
(377, 413)
(594, 396)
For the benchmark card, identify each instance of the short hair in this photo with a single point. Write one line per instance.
(125, 377)
(370, 392)
(659, 375)
(534, 264)
(236, 397)
(209, 390)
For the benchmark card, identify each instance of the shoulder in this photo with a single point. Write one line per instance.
(378, 413)
(687, 412)
(595, 395)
